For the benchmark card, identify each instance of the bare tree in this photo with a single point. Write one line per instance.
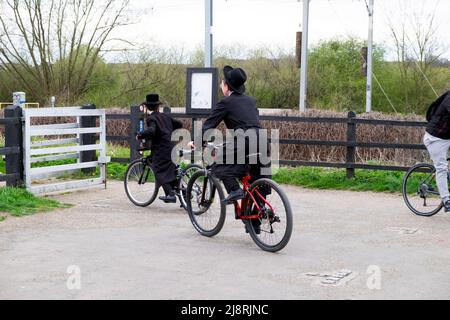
(51, 47)
(418, 50)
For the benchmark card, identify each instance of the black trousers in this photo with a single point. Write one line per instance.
(230, 184)
(169, 188)
(229, 173)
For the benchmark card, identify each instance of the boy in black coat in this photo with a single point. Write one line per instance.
(159, 130)
(237, 111)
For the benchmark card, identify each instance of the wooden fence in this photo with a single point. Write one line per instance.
(351, 142)
(52, 144)
(13, 147)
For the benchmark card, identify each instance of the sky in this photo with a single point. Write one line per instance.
(273, 23)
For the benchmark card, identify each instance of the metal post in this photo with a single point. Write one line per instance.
(304, 60)
(369, 59)
(208, 33)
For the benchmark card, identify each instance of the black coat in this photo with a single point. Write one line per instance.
(159, 130)
(237, 111)
(439, 124)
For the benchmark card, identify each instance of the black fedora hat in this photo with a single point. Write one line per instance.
(235, 78)
(152, 100)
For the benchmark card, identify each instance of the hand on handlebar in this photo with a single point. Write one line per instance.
(191, 145)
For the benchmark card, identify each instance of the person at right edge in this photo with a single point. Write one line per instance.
(437, 142)
(237, 111)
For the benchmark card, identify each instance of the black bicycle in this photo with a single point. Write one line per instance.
(420, 190)
(141, 186)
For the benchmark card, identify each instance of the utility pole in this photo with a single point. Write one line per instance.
(304, 58)
(370, 9)
(208, 33)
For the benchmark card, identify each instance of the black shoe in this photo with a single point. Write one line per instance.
(169, 199)
(256, 228)
(234, 196)
(447, 206)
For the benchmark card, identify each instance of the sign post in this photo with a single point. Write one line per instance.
(201, 90)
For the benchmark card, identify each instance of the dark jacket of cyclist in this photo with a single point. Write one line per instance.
(237, 111)
(439, 121)
(159, 130)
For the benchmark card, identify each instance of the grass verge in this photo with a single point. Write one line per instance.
(316, 178)
(320, 178)
(19, 202)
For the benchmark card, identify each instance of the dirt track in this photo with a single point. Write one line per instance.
(125, 252)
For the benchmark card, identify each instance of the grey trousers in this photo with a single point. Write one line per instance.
(438, 148)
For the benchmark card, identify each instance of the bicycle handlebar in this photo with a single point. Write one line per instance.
(182, 152)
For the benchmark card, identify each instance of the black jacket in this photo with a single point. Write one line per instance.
(439, 124)
(238, 111)
(159, 130)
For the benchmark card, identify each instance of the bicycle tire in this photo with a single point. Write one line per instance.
(288, 211)
(408, 199)
(183, 189)
(194, 216)
(153, 191)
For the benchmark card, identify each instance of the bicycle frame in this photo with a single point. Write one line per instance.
(251, 193)
(246, 187)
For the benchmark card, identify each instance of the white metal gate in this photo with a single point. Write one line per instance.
(65, 143)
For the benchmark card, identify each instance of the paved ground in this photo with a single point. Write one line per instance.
(126, 252)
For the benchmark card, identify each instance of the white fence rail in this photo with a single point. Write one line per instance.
(43, 143)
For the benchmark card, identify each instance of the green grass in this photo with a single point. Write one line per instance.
(2, 165)
(319, 178)
(20, 202)
(316, 178)
(2, 218)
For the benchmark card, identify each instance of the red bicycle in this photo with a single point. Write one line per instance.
(265, 209)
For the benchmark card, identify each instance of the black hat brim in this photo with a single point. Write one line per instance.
(151, 104)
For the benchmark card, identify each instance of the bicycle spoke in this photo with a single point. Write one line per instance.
(138, 183)
(206, 211)
(420, 190)
(273, 223)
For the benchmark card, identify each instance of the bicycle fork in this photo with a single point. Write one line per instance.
(146, 174)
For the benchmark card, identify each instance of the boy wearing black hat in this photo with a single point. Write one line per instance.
(159, 130)
(237, 111)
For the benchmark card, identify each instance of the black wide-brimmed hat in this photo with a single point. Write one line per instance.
(152, 100)
(235, 78)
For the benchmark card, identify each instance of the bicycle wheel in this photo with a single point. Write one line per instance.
(184, 180)
(420, 191)
(204, 205)
(140, 185)
(273, 230)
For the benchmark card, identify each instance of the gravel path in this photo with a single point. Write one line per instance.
(345, 245)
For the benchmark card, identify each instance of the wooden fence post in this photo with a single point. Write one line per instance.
(14, 139)
(351, 140)
(135, 117)
(88, 138)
